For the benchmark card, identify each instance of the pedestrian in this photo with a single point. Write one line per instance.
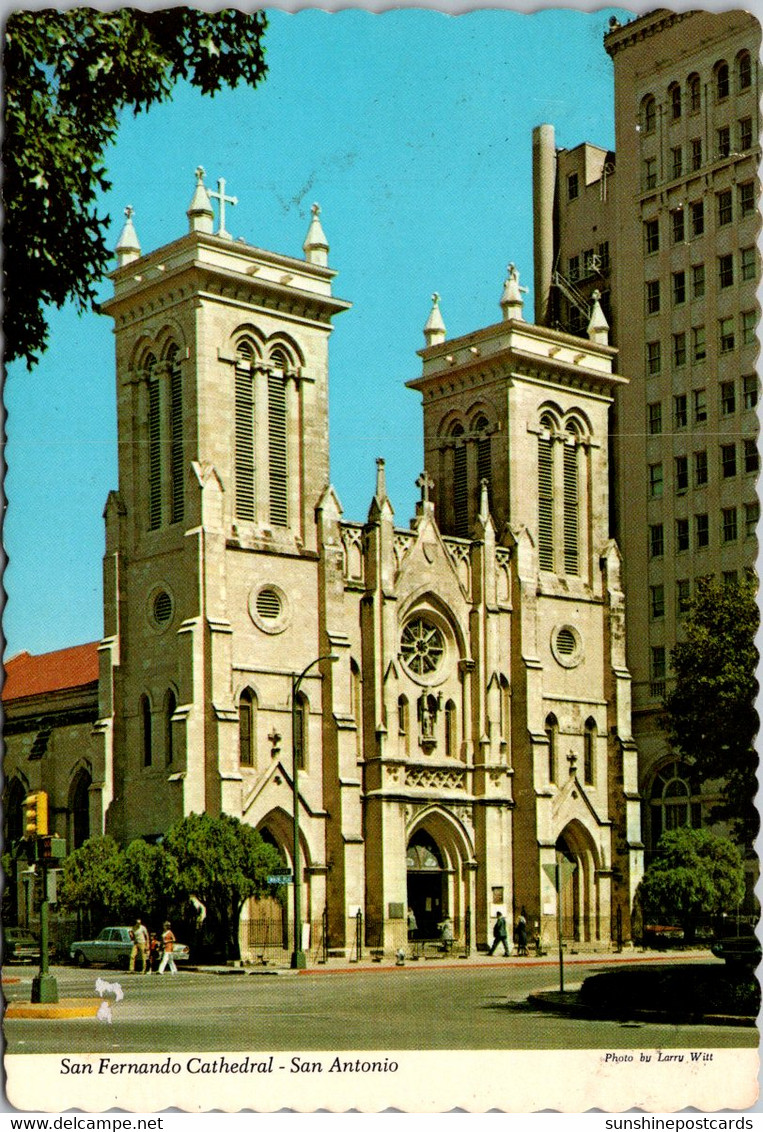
(412, 925)
(500, 934)
(168, 940)
(153, 953)
(139, 946)
(446, 934)
(522, 934)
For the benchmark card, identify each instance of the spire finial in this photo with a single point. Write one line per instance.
(434, 330)
(128, 246)
(200, 214)
(598, 327)
(221, 198)
(316, 246)
(381, 480)
(511, 299)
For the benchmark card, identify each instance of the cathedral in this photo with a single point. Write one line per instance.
(453, 696)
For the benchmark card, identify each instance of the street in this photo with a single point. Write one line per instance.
(418, 1007)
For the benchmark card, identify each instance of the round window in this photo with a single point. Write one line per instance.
(269, 608)
(269, 604)
(421, 647)
(567, 646)
(161, 608)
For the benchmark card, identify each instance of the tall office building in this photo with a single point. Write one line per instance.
(680, 218)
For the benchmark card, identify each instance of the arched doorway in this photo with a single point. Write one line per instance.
(581, 913)
(427, 890)
(264, 928)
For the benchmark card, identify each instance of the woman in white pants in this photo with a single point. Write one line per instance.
(168, 940)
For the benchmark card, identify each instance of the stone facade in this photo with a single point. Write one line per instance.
(463, 714)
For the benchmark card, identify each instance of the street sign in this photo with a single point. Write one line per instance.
(566, 869)
(281, 878)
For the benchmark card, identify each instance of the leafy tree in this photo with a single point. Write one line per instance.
(68, 76)
(694, 874)
(711, 717)
(87, 882)
(144, 883)
(222, 862)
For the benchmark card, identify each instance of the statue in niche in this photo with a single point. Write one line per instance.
(428, 707)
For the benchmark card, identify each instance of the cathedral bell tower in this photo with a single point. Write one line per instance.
(222, 402)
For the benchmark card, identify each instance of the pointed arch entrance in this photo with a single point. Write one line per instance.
(579, 897)
(426, 886)
(264, 929)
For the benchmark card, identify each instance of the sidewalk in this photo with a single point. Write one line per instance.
(456, 958)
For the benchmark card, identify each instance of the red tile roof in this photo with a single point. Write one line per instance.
(27, 675)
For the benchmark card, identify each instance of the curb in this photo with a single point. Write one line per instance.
(66, 1008)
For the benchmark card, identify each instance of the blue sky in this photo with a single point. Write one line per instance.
(413, 131)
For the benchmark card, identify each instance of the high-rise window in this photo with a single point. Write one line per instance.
(694, 88)
(725, 271)
(744, 70)
(745, 133)
(701, 530)
(653, 357)
(655, 418)
(657, 667)
(728, 460)
(750, 390)
(700, 468)
(656, 540)
(700, 405)
(674, 94)
(697, 210)
(729, 524)
(698, 280)
(682, 473)
(726, 334)
(677, 226)
(721, 80)
(748, 263)
(655, 481)
(751, 456)
(749, 321)
(746, 193)
(650, 172)
(657, 601)
(679, 287)
(696, 154)
(679, 349)
(680, 412)
(648, 114)
(728, 398)
(676, 160)
(698, 347)
(682, 534)
(651, 236)
(751, 518)
(723, 141)
(572, 186)
(652, 296)
(683, 594)
(725, 209)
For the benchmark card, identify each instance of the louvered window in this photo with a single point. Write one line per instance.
(176, 443)
(483, 453)
(571, 507)
(154, 454)
(545, 501)
(460, 501)
(244, 435)
(279, 513)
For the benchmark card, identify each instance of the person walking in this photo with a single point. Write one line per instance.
(522, 934)
(139, 946)
(153, 953)
(412, 925)
(500, 934)
(168, 941)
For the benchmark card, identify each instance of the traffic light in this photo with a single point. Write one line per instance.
(36, 805)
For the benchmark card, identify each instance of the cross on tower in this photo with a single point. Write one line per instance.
(221, 197)
(425, 482)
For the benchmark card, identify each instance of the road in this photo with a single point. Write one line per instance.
(419, 1008)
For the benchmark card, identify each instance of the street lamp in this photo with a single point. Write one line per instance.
(298, 958)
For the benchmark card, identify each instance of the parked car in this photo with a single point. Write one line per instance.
(113, 948)
(20, 946)
(738, 950)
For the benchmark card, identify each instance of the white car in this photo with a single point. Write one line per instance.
(113, 948)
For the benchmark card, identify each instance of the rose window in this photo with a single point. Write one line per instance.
(421, 646)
